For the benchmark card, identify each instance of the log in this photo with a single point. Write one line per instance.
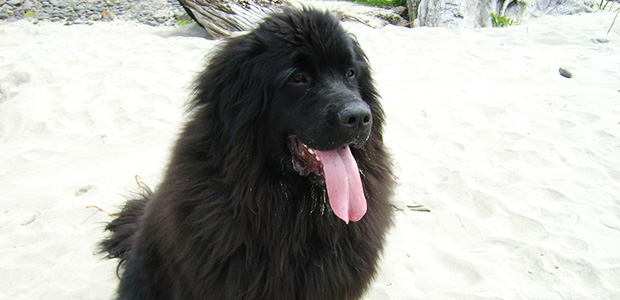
(221, 18)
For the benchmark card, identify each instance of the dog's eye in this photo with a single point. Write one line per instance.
(299, 78)
(350, 73)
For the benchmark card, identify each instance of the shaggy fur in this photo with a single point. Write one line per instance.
(233, 217)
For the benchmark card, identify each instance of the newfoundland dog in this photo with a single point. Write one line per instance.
(279, 185)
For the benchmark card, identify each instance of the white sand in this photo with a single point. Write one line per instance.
(519, 166)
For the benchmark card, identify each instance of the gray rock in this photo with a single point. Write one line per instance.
(399, 10)
(600, 41)
(26, 4)
(566, 73)
(412, 9)
(477, 13)
(161, 12)
(456, 13)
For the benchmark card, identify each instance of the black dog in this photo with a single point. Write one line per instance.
(279, 185)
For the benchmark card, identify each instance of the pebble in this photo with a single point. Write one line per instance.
(566, 73)
(151, 12)
(600, 41)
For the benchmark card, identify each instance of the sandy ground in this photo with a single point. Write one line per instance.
(519, 166)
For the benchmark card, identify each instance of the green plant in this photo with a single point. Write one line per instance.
(382, 3)
(29, 14)
(614, 21)
(183, 22)
(501, 21)
(603, 6)
(604, 3)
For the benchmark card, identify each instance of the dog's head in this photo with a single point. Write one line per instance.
(303, 85)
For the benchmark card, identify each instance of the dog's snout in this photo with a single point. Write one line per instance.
(355, 117)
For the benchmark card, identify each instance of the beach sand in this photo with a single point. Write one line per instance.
(519, 166)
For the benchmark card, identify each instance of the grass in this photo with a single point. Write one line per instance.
(30, 14)
(501, 21)
(604, 3)
(381, 3)
(614, 21)
(603, 6)
(184, 22)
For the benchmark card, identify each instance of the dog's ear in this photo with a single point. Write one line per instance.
(232, 88)
(230, 100)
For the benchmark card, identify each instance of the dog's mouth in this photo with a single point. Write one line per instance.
(336, 171)
(306, 162)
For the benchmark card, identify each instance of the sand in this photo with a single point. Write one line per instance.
(519, 166)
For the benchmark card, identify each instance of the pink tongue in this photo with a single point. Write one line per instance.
(344, 186)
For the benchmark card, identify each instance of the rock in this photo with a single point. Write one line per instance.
(412, 9)
(26, 4)
(399, 10)
(600, 41)
(537, 14)
(566, 73)
(182, 17)
(477, 13)
(3, 16)
(15, 2)
(456, 13)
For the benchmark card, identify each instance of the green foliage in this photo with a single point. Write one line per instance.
(614, 21)
(184, 22)
(604, 3)
(500, 21)
(382, 3)
(603, 6)
(29, 14)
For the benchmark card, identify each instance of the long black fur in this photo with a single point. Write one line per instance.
(232, 219)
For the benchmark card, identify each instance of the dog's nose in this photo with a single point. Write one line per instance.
(355, 117)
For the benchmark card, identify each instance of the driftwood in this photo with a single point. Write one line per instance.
(221, 18)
